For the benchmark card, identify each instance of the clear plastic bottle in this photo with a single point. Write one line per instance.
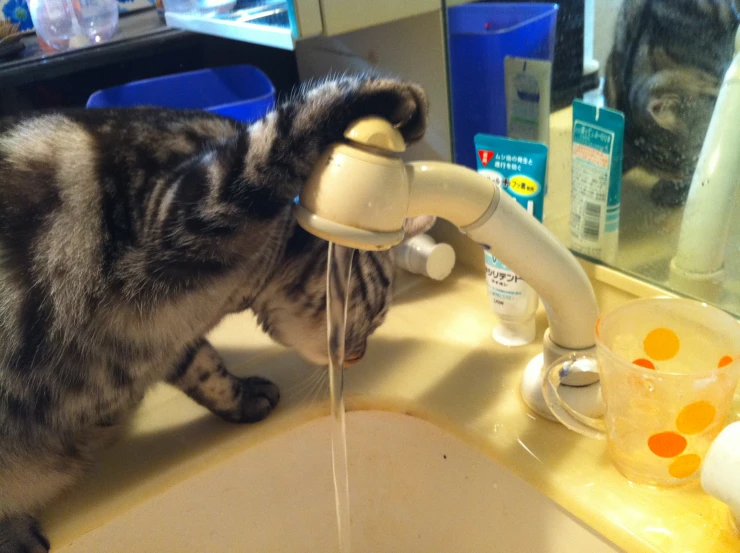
(63, 24)
(97, 18)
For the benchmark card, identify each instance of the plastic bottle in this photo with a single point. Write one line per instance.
(517, 167)
(63, 24)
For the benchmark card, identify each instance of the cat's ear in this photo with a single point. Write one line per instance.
(664, 109)
(418, 225)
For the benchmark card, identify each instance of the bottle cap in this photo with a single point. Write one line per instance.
(515, 333)
(440, 262)
(421, 255)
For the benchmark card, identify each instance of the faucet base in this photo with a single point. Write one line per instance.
(532, 388)
(581, 391)
(707, 286)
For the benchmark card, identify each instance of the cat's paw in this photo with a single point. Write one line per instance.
(669, 193)
(22, 534)
(328, 108)
(258, 398)
(402, 103)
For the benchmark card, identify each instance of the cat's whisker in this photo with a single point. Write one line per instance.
(313, 387)
(318, 385)
(302, 385)
(321, 387)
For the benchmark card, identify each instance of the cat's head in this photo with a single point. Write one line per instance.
(671, 114)
(292, 307)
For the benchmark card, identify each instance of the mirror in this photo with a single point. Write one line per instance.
(666, 63)
(662, 64)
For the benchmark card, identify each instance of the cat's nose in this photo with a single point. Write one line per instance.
(355, 353)
(352, 360)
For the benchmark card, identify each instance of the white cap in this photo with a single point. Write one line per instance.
(719, 471)
(440, 262)
(515, 333)
(422, 256)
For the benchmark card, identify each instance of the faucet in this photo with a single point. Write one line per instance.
(698, 266)
(360, 192)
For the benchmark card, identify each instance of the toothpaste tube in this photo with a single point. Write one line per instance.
(596, 180)
(517, 167)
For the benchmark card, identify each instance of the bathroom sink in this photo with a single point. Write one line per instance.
(432, 384)
(413, 486)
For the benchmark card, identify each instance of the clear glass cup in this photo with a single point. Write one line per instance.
(668, 370)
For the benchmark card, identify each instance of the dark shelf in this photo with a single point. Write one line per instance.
(137, 32)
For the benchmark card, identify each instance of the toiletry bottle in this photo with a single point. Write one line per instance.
(527, 99)
(528, 83)
(518, 168)
(64, 24)
(596, 180)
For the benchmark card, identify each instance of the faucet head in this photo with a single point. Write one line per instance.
(358, 193)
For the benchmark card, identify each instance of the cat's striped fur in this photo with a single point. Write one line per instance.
(664, 73)
(126, 235)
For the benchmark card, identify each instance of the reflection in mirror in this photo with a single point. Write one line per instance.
(662, 63)
(664, 71)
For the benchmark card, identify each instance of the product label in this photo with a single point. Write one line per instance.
(591, 214)
(517, 167)
(506, 289)
(524, 108)
(524, 186)
(518, 185)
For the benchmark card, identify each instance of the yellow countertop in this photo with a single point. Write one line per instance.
(434, 358)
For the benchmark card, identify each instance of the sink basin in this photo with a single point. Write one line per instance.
(413, 486)
(433, 383)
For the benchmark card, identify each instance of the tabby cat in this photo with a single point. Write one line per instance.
(664, 73)
(126, 235)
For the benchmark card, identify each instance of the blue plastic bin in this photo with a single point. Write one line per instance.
(241, 92)
(480, 37)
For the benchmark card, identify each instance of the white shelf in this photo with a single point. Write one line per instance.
(268, 25)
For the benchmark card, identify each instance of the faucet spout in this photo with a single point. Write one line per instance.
(709, 206)
(384, 192)
(498, 223)
(449, 191)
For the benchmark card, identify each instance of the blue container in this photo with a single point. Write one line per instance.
(480, 37)
(241, 92)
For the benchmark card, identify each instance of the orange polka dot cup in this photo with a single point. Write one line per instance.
(668, 372)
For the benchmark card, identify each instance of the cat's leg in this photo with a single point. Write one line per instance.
(201, 374)
(22, 534)
(29, 479)
(33, 475)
